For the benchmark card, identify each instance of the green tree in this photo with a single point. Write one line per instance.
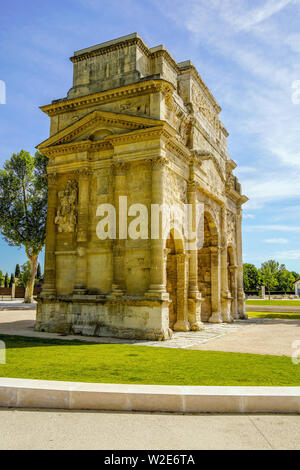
(252, 277)
(38, 272)
(1, 278)
(17, 271)
(23, 207)
(268, 273)
(6, 280)
(25, 275)
(285, 280)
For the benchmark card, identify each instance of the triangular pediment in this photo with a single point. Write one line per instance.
(98, 125)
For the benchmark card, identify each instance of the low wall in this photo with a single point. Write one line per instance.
(22, 393)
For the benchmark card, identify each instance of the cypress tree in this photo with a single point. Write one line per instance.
(6, 280)
(17, 271)
(12, 280)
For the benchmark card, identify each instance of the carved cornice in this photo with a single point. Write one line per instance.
(116, 94)
(102, 50)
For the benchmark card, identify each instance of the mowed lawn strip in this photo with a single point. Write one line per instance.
(286, 303)
(32, 358)
(282, 316)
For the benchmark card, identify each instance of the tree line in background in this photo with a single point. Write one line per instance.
(273, 275)
(21, 276)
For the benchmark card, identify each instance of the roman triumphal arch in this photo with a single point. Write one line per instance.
(139, 133)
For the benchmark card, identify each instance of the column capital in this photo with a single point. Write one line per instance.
(83, 173)
(52, 180)
(191, 186)
(158, 163)
(120, 167)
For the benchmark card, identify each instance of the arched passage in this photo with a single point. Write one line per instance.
(176, 282)
(209, 271)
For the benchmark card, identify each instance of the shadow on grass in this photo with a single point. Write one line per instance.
(16, 342)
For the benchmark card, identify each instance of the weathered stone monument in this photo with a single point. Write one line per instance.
(139, 132)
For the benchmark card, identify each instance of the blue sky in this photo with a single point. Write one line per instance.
(248, 52)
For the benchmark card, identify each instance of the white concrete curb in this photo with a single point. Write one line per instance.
(21, 393)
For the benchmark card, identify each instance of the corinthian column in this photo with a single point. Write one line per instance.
(194, 296)
(240, 283)
(82, 231)
(49, 287)
(158, 268)
(226, 296)
(120, 190)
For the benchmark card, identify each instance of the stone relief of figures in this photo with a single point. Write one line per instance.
(66, 217)
(231, 227)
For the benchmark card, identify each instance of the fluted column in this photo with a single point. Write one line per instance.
(226, 295)
(82, 231)
(49, 287)
(234, 308)
(240, 281)
(120, 190)
(194, 296)
(216, 316)
(158, 264)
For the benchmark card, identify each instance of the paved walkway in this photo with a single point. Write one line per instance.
(254, 336)
(62, 430)
(21, 323)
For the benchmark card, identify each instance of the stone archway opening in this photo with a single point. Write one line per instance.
(208, 265)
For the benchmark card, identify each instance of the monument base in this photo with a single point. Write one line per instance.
(89, 315)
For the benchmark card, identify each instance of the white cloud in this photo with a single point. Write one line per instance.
(245, 18)
(276, 228)
(289, 254)
(280, 241)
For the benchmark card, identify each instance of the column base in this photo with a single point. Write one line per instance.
(116, 291)
(216, 318)
(197, 326)
(181, 325)
(157, 291)
(48, 294)
(79, 290)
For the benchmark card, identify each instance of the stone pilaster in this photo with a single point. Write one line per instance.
(49, 287)
(194, 296)
(216, 316)
(158, 264)
(226, 295)
(182, 323)
(240, 283)
(82, 231)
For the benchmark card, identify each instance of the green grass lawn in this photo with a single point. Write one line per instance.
(283, 315)
(288, 303)
(33, 358)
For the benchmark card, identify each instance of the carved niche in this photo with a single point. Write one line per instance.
(66, 217)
